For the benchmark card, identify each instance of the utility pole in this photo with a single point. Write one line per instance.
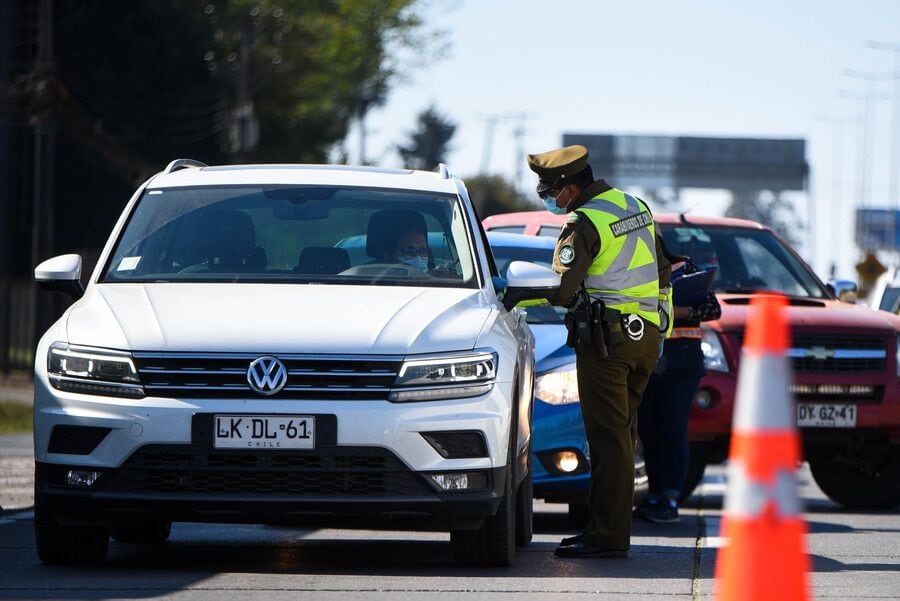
(519, 118)
(487, 147)
(866, 125)
(868, 98)
(244, 132)
(894, 165)
(42, 92)
(837, 124)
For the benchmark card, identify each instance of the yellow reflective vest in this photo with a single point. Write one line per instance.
(624, 273)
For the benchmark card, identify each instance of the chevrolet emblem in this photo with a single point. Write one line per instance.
(820, 352)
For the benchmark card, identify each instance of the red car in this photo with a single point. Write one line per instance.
(846, 358)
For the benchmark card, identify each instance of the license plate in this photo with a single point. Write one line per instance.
(815, 415)
(264, 432)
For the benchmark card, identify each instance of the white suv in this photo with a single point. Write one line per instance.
(267, 344)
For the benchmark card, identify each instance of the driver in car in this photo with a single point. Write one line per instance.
(410, 248)
(406, 241)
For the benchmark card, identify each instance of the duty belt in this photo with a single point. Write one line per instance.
(686, 333)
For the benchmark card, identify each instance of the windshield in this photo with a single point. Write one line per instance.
(746, 260)
(295, 234)
(504, 255)
(891, 300)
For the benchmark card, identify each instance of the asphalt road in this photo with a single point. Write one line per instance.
(854, 555)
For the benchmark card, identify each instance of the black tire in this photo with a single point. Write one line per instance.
(154, 531)
(494, 544)
(525, 508)
(860, 479)
(58, 544)
(696, 468)
(578, 515)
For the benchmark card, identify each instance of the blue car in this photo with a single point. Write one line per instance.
(561, 469)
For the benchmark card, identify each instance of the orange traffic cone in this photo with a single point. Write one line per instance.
(765, 554)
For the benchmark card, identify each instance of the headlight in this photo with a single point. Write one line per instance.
(93, 371)
(713, 354)
(440, 378)
(558, 387)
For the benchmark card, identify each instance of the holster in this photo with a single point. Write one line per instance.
(589, 331)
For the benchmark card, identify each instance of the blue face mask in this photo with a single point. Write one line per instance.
(550, 205)
(417, 262)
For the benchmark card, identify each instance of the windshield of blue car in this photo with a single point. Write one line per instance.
(504, 255)
(746, 260)
(295, 234)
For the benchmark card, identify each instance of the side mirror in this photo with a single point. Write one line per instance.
(61, 274)
(527, 281)
(844, 290)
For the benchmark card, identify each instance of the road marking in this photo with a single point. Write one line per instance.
(698, 545)
(707, 524)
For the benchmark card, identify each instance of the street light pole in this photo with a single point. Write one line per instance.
(837, 123)
(894, 165)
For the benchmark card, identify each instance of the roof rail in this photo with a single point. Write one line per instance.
(444, 171)
(183, 164)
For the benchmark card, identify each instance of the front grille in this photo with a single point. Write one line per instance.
(331, 471)
(824, 353)
(220, 375)
(837, 393)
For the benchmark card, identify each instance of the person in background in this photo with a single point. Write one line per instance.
(666, 405)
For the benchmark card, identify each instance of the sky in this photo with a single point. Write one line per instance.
(743, 68)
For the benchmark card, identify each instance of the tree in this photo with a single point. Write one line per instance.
(491, 194)
(429, 143)
(140, 83)
(768, 208)
(303, 70)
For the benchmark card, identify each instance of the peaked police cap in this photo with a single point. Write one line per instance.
(555, 166)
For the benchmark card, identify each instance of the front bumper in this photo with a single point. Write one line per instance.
(561, 428)
(712, 425)
(353, 486)
(156, 459)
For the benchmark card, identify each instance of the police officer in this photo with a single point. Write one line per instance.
(607, 248)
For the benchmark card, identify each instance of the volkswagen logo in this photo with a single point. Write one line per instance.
(267, 376)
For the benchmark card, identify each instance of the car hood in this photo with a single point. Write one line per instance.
(278, 318)
(805, 313)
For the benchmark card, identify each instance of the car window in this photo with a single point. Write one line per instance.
(890, 301)
(294, 234)
(504, 255)
(549, 230)
(507, 229)
(747, 260)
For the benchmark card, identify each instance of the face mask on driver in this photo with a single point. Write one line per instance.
(417, 262)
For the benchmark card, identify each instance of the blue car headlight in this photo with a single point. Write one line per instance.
(558, 387)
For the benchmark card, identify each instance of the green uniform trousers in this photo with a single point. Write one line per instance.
(610, 392)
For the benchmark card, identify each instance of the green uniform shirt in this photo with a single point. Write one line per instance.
(579, 243)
